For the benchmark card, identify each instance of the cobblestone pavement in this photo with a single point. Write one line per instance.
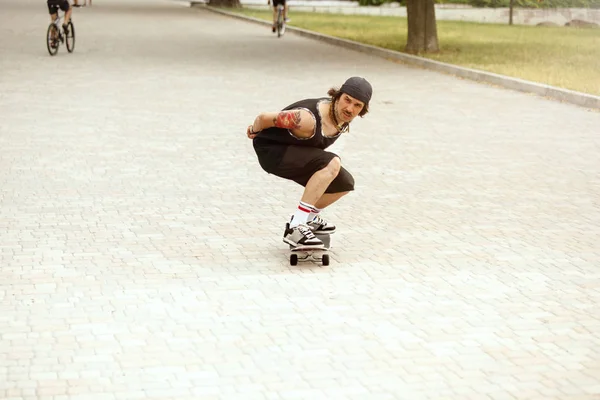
(140, 242)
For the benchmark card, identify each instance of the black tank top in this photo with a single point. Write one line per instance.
(284, 136)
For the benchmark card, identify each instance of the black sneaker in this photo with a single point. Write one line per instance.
(66, 29)
(301, 236)
(319, 226)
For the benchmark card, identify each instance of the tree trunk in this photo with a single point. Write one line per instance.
(422, 28)
(225, 3)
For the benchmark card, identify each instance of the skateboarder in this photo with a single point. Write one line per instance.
(291, 144)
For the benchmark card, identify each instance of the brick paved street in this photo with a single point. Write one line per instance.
(140, 242)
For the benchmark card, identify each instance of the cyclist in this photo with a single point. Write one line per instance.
(54, 5)
(285, 12)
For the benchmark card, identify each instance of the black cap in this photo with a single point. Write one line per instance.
(358, 88)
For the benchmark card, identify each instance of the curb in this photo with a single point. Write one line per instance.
(552, 92)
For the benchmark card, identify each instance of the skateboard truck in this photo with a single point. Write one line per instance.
(300, 254)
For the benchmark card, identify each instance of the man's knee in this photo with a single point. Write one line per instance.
(343, 183)
(334, 166)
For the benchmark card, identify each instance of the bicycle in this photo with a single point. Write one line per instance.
(55, 35)
(280, 20)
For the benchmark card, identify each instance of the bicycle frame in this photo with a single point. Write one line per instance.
(60, 16)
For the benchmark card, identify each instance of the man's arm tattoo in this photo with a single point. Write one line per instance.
(288, 119)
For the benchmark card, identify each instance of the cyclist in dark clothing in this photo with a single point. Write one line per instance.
(54, 5)
(285, 12)
(291, 144)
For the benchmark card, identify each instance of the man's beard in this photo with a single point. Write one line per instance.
(335, 117)
(339, 117)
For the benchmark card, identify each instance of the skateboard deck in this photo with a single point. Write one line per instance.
(300, 253)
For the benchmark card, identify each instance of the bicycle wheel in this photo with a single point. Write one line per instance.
(280, 21)
(70, 38)
(52, 39)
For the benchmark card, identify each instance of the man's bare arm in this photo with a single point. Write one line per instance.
(300, 122)
(288, 119)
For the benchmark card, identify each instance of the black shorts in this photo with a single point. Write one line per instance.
(299, 164)
(278, 2)
(54, 5)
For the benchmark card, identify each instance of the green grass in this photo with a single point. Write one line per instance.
(559, 56)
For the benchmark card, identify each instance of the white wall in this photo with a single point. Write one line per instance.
(445, 12)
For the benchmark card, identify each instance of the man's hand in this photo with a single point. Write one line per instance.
(250, 132)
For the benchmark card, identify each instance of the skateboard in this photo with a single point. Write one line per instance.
(302, 254)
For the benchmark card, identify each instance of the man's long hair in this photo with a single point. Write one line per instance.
(335, 95)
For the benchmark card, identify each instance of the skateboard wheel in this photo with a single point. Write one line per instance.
(325, 259)
(293, 259)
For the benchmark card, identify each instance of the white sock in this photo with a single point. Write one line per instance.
(313, 213)
(301, 215)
